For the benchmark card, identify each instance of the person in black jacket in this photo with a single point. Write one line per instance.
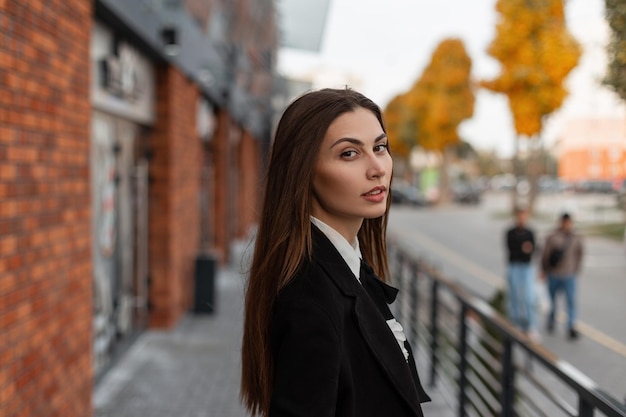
(520, 243)
(319, 337)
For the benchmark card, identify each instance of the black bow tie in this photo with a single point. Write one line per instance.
(374, 286)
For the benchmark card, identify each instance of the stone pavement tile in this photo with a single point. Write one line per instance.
(604, 367)
(190, 371)
(440, 406)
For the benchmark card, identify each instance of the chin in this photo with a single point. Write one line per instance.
(374, 215)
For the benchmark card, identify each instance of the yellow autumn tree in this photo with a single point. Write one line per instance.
(536, 53)
(400, 128)
(440, 100)
(443, 97)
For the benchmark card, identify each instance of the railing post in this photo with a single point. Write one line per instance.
(414, 299)
(399, 284)
(462, 359)
(434, 330)
(508, 378)
(584, 408)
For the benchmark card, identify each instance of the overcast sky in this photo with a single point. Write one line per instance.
(386, 44)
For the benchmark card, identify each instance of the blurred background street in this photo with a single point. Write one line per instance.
(467, 244)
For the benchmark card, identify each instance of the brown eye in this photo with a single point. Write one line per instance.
(383, 147)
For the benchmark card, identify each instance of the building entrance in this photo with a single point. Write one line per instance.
(119, 180)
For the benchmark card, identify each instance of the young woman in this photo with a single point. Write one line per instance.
(319, 337)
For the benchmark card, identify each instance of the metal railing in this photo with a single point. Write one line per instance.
(482, 365)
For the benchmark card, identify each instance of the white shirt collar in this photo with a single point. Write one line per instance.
(351, 253)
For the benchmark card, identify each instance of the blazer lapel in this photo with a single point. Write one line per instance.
(371, 321)
(384, 346)
(381, 293)
(327, 256)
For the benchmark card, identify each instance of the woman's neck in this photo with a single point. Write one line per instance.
(348, 229)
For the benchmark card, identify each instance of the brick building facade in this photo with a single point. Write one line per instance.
(120, 162)
(175, 223)
(45, 231)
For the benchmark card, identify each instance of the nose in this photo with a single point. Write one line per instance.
(376, 167)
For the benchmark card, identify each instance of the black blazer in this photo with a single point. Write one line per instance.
(334, 354)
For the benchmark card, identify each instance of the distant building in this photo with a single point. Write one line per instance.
(593, 149)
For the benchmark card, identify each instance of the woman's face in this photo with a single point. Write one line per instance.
(352, 173)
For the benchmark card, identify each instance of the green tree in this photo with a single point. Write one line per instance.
(615, 12)
(536, 53)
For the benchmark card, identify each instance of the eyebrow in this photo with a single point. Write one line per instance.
(357, 141)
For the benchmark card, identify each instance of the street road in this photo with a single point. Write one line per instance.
(466, 243)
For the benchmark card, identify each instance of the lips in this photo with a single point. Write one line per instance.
(376, 195)
(375, 191)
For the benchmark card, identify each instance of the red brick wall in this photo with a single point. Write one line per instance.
(45, 230)
(249, 183)
(220, 205)
(237, 162)
(175, 172)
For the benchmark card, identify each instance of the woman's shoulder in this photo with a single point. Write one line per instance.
(310, 282)
(309, 294)
(323, 279)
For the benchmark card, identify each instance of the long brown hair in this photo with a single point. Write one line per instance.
(283, 239)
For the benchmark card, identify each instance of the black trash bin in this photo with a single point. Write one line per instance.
(204, 288)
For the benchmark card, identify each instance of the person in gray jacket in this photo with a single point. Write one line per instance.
(561, 262)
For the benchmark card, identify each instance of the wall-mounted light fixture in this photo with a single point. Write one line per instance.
(205, 119)
(169, 37)
(205, 76)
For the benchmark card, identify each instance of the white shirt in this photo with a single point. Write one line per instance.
(351, 254)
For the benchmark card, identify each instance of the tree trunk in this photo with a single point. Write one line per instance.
(623, 190)
(400, 165)
(534, 171)
(445, 196)
(516, 173)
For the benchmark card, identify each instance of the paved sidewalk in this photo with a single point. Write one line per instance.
(192, 370)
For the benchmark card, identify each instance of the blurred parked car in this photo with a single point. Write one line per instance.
(595, 186)
(549, 184)
(621, 199)
(466, 193)
(403, 193)
(502, 182)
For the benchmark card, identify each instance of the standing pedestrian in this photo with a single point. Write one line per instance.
(561, 262)
(520, 243)
(319, 338)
